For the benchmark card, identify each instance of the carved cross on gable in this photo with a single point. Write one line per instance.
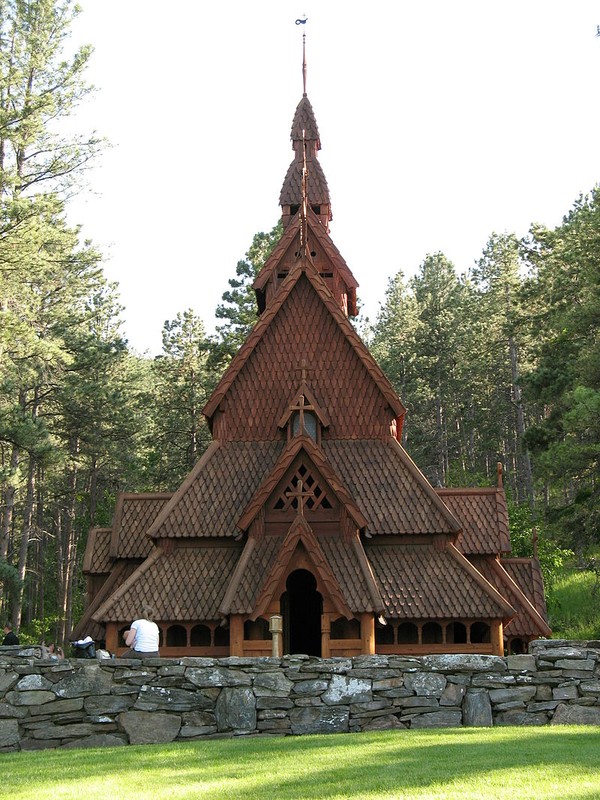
(300, 495)
(303, 369)
(302, 406)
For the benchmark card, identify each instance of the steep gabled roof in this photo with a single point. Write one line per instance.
(96, 558)
(427, 582)
(291, 240)
(304, 268)
(527, 574)
(134, 514)
(186, 584)
(299, 534)
(529, 621)
(209, 501)
(389, 487)
(314, 456)
(483, 515)
(87, 625)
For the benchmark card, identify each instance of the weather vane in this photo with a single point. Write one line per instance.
(302, 21)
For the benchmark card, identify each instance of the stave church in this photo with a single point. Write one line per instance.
(306, 505)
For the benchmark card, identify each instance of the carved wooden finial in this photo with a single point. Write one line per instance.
(499, 474)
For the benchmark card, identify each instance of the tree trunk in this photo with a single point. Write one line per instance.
(17, 610)
(9, 504)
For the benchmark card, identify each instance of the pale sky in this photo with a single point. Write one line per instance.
(440, 123)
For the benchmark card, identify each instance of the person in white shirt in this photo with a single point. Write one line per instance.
(143, 637)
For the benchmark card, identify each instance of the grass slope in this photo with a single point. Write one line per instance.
(495, 764)
(574, 606)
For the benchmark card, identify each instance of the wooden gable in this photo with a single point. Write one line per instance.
(303, 325)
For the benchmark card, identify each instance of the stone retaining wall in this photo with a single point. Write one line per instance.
(81, 703)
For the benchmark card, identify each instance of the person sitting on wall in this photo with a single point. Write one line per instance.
(142, 638)
(9, 636)
(55, 653)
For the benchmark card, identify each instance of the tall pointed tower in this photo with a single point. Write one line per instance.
(306, 505)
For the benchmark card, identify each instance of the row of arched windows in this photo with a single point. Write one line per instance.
(433, 633)
(199, 636)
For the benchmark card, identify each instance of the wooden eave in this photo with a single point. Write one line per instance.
(304, 267)
(319, 461)
(176, 497)
(292, 232)
(454, 524)
(500, 506)
(509, 611)
(119, 509)
(300, 532)
(118, 573)
(101, 612)
(527, 605)
(88, 556)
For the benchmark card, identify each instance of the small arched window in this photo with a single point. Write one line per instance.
(408, 633)
(310, 424)
(176, 636)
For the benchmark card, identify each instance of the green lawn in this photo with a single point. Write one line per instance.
(515, 763)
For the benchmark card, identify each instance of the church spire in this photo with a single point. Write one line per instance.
(306, 143)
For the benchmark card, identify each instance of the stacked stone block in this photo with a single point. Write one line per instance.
(85, 703)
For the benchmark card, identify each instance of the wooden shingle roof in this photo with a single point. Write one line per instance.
(529, 622)
(186, 584)
(134, 514)
(390, 489)
(211, 499)
(426, 582)
(527, 573)
(483, 516)
(96, 558)
(326, 339)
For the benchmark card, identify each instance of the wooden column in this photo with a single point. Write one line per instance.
(112, 637)
(367, 634)
(325, 635)
(497, 636)
(236, 635)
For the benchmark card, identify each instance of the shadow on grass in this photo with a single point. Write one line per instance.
(548, 762)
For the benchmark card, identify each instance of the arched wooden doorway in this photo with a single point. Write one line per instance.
(301, 607)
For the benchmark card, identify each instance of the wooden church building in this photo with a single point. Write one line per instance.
(306, 504)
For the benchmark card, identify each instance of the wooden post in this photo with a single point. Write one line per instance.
(367, 634)
(325, 635)
(112, 637)
(497, 635)
(236, 635)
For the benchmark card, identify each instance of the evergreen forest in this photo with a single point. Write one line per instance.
(496, 363)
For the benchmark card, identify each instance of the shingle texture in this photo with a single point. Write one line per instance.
(259, 566)
(304, 127)
(210, 504)
(134, 515)
(97, 560)
(422, 582)
(187, 585)
(337, 376)
(528, 622)
(484, 519)
(388, 487)
(344, 564)
(527, 573)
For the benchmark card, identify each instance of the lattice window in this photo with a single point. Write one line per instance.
(302, 488)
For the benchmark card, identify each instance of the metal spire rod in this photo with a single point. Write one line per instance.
(304, 62)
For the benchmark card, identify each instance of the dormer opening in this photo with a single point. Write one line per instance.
(305, 422)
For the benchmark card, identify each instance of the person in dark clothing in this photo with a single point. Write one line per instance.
(9, 636)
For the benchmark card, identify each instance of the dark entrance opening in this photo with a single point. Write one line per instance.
(301, 607)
